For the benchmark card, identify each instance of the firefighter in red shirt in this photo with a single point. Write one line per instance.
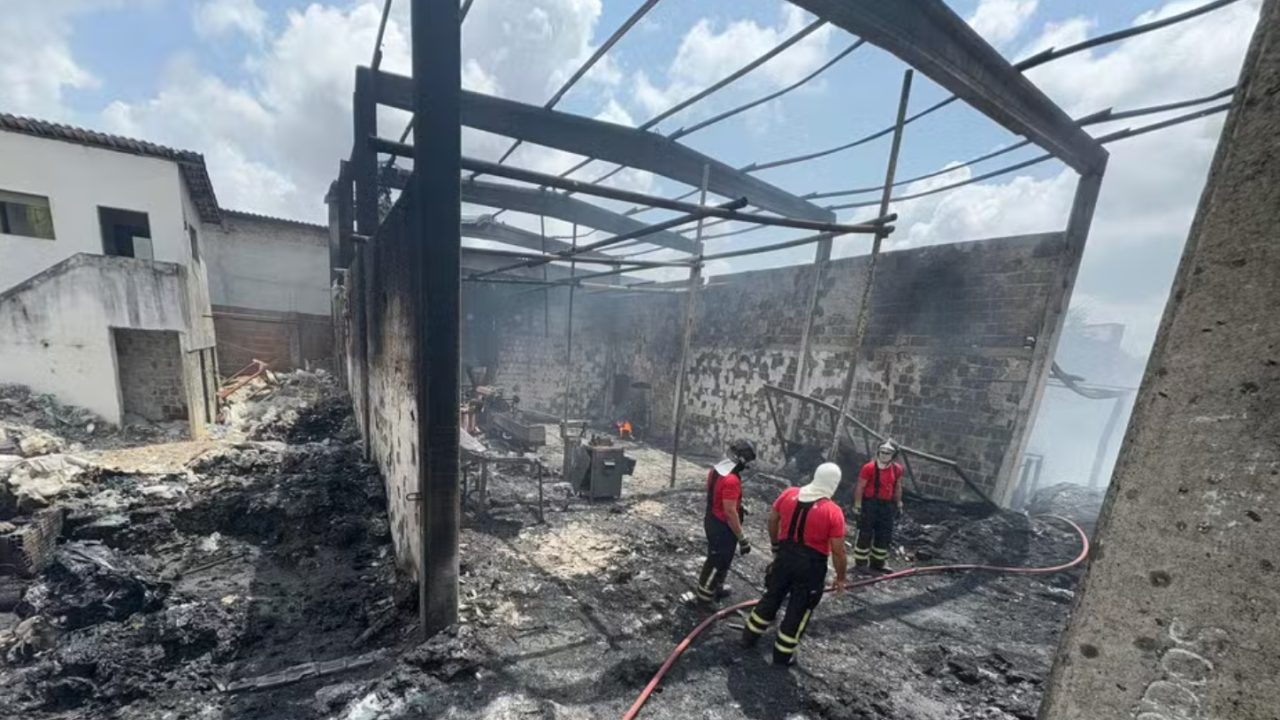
(877, 500)
(723, 520)
(806, 527)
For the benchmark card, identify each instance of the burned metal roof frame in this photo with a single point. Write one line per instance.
(607, 141)
(931, 37)
(551, 204)
(190, 164)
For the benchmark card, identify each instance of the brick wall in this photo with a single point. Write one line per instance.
(284, 340)
(947, 356)
(149, 364)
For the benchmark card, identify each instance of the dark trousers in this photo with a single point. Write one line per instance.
(797, 575)
(875, 533)
(721, 544)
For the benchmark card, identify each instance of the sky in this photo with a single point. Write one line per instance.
(262, 88)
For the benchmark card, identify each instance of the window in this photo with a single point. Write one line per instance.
(195, 244)
(125, 233)
(26, 215)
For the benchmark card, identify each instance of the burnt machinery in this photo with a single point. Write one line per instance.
(593, 468)
(490, 409)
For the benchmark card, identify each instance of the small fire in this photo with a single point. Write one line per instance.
(624, 429)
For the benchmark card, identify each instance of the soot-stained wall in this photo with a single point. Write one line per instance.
(948, 354)
(379, 293)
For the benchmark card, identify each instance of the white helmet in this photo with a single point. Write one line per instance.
(825, 481)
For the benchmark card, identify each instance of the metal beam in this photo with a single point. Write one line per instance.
(485, 228)
(877, 225)
(609, 142)
(364, 168)
(1083, 206)
(643, 232)
(686, 336)
(864, 307)
(551, 204)
(932, 38)
(568, 255)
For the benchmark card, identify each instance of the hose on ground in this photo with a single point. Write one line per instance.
(908, 572)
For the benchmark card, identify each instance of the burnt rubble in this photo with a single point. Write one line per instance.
(167, 593)
(34, 424)
(258, 580)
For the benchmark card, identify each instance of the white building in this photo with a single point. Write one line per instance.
(104, 299)
(268, 281)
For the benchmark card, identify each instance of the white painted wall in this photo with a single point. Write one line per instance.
(55, 334)
(267, 264)
(57, 338)
(200, 313)
(77, 179)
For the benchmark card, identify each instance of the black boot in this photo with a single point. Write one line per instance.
(723, 592)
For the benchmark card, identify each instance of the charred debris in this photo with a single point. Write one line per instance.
(253, 576)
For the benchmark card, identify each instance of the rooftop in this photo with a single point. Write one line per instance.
(191, 164)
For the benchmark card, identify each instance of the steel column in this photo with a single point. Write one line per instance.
(568, 344)
(435, 218)
(365, 167)
(690, 308)
(1113, 420)
(1046, 343)
(864, 310)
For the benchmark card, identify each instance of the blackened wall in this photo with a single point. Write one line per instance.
(382, 371)
(951, 333)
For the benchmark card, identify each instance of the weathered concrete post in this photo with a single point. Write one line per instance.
(436, 219)
(1177, 617)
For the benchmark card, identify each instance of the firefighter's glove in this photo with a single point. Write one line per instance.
(857, 513)
(742, 511)
(744, 546)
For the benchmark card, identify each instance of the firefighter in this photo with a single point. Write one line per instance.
(723, 520)
(877, 501)
(806, 527)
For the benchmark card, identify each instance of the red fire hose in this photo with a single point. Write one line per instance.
(929, 569)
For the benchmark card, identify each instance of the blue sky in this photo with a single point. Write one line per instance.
(262, 88)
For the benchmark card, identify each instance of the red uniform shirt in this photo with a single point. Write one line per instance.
(824, 522)
(888, 480)
(726, 487)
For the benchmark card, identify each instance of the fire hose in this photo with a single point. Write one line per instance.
(909, 572)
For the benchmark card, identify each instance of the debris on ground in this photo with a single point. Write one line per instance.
(1081, 503)
(254, 577)
(299, 407)
(236, 585)
(34, 424)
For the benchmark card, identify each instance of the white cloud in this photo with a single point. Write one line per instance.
(614, 112)
(36, 62)
(1189, 59)
(531, 46)
(1000, 21)
(1153, 182)
(708, 53)
(213, 18)
(273, 141)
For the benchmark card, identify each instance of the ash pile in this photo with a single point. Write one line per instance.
(232, 585)
(297, 407)
(570, 617)
(34, 424)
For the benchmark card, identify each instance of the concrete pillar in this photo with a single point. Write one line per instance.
(1177, 619)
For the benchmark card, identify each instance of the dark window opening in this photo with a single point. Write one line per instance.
(195, 243)
(125, 233)
(26, 215)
